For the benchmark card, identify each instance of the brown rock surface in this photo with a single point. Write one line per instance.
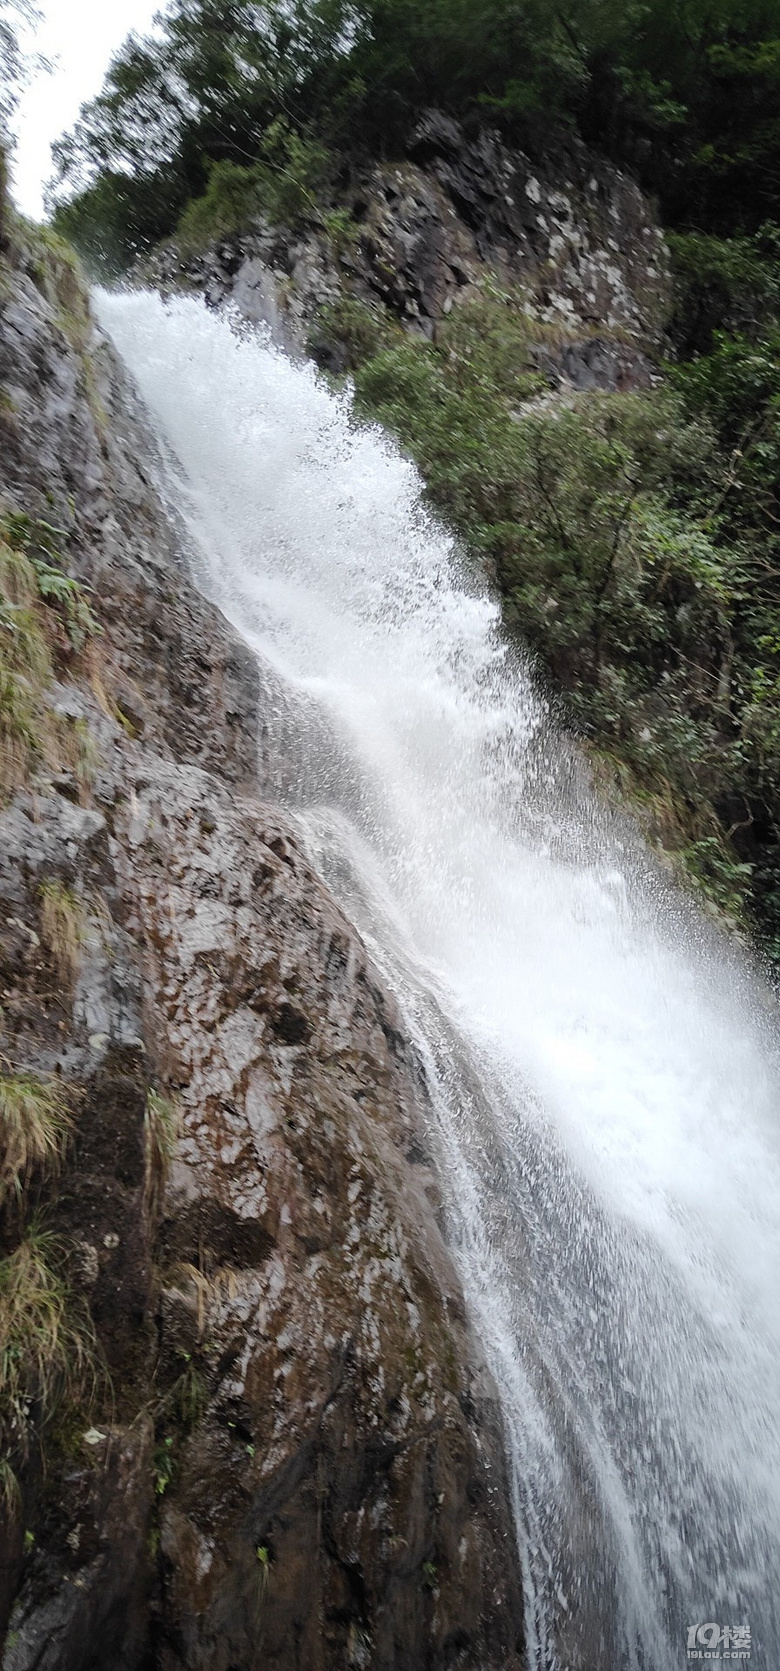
(302, 1465)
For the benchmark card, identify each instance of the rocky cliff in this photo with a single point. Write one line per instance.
(570, 238)
(284, 1448)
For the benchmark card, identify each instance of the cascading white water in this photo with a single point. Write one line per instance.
(604, 1070)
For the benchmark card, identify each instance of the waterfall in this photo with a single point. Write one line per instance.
(602, 1063)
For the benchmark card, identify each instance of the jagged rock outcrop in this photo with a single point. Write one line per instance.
(301, 1463)
(571, 235)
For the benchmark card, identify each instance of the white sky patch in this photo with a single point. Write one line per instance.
(78, 37)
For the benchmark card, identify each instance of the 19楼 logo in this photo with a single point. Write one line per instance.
(719, 1641)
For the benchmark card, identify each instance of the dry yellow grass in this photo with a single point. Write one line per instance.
(63, 926)
(34, 1127)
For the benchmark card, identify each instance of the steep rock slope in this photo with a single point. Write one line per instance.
(298, 1460)
(571, 237)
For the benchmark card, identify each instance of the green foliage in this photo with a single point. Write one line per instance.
(342, 230)
(738, 386)
(188, 1396)
(14, 62)
(231, 202)
(346, 333)
(40, 543)
(574, 506)
(713, 867)
(280, 187)
(261, 1580)
(28, 731)
(688, 94)
(34, 1125)
(119, 216)
(723, 281)
(615, 526)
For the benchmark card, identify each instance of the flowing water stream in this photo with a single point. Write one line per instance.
(604, 1068)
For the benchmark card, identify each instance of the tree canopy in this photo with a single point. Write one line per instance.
(685, 91)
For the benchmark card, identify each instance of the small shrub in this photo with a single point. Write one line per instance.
(164, 1464)
(714, 868)
(487, 342)
(261, 1577)
(341, 229)
(296, 166)
(35, 1122)
(25, 736)
(280, 186)
(231, 202)
(348, 332)
(40, 542)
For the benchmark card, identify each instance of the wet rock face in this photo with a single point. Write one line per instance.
(576, 235)
(572, 235)
(302, 1463)
(336, 1502)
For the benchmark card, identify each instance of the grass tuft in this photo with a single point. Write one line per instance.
(63, 926)
(188, 1397)
(261, 1576)
(10, 1491)
(47, 1343)
(161, 1129)
(34, 1127)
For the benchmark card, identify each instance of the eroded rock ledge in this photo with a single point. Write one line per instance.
(301, 1463)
